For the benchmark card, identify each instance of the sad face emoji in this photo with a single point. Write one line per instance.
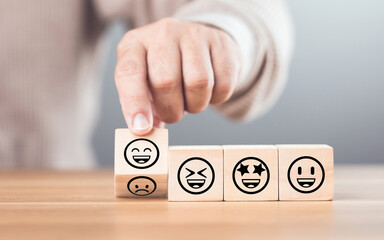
(141, 153)
(196, 175)
(250, 175)
(141, 186)
(306, 174)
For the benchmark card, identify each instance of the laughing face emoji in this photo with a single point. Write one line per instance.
(306, 174)
(141, 153)
(196, 175)
(250, 175)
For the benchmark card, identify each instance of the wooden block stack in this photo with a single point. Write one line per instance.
(217, 173)
(141, 164)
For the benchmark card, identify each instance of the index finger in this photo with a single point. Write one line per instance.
(132, 86)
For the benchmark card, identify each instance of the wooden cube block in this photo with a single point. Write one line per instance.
(251, 173)
(195, 173)
(141, 164)
(305, 172)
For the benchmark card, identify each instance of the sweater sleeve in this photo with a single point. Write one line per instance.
(263, 30)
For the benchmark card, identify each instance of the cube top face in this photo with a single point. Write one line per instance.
(141, 154)
(247, 147)
(306, 172)
(250, 173)
(195, 174)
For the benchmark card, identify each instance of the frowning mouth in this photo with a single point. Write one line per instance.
(143, 190)
(195, 183)
(250, 183)
(141, 158)
(306, 182)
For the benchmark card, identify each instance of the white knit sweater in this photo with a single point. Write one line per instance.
(49, 89)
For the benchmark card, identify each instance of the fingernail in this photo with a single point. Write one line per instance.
(140, 122)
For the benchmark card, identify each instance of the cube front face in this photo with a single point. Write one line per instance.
(305, 172)
(195, 173)
(250, 173)
(141, 163)
(140, 186)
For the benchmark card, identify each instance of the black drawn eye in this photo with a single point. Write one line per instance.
(135, 149)
(312, 170)
(147, 149)
(190, 172)
(201, 172)
(299, 170)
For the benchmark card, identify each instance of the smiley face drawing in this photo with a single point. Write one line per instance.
(141, 153)
(306, 174)
(250, 175)
(141, 186)
(196, 175)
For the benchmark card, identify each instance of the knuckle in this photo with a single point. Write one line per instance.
(167, 23)
(126, 42)
(164, 84)
(173, 118)
(195, 29)
(224, 38)
(137, 99)
(222, 92)
(199, 82)
(224, 88)
(127, 69)
(196, 108)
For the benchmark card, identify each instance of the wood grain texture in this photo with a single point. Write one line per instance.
(141, 164)
(238, 182)
(129, 148)
(305, 172)
(195, 173)
(81, 205)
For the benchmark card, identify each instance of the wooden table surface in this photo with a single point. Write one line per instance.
(81, 205)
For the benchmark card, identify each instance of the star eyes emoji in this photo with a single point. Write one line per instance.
(258, 169)
(243, 169)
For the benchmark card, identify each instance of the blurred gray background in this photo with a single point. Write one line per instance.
(335, 92)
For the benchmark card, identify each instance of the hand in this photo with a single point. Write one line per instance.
(171, 67)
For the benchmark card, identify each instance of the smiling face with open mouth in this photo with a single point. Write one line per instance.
(141, 153)
(250, 175)
(196, 175)
(141, 186)
(306, 174)
(306, 182)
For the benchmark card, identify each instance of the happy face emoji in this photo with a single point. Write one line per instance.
(306, 174)
(250, 175)
(196, 175)
(141, 186)
(141, 153)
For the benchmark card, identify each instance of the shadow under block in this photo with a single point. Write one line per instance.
(195, 173)
(305, 172)
(251, 173)
(141, 164)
